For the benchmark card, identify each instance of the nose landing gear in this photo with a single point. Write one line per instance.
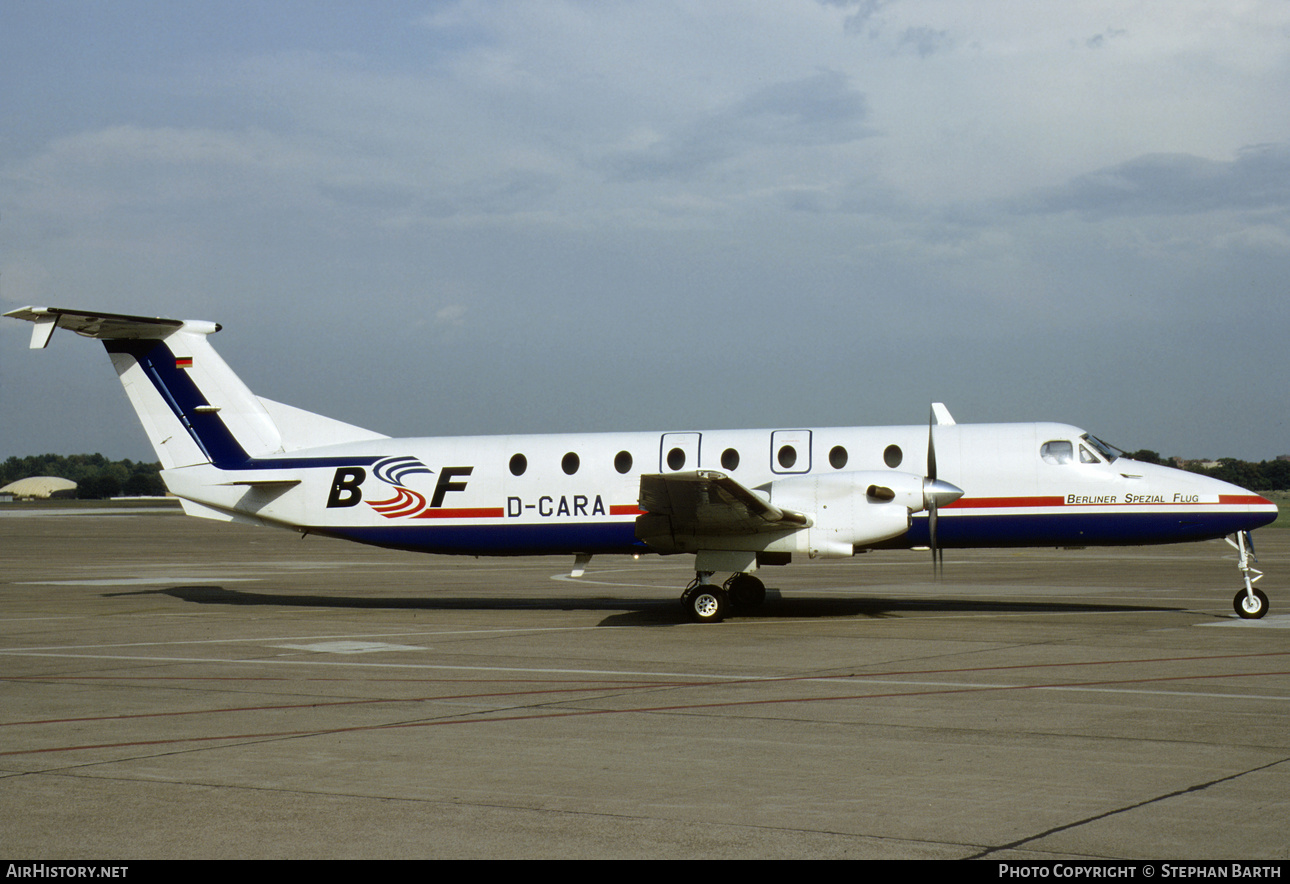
(1250, 603)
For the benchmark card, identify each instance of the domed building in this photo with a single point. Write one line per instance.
(40, 488)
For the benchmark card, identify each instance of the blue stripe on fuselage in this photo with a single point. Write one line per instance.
(604, 538)
(612, 538)
(1080, 529)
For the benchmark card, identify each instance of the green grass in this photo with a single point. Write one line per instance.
(62, 503)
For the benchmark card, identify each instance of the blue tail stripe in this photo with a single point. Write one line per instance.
(207, 429)
(177, 388)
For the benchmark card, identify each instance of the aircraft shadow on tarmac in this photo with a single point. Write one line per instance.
(645, 612)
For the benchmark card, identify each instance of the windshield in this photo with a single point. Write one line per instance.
(1110, 452)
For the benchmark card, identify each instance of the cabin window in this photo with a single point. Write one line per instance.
(623, 461)
(519, 463)
(730, 459)
(569, 464)
(1058, 451)
(837, 457)
(892, 456)
(675, 459)
(787, 456)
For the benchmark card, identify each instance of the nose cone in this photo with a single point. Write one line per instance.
(1257, 510)
(1249, 510)
(939, 492)
(1211, 505)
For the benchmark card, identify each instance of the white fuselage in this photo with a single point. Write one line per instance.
(735, 498)
(578, 493)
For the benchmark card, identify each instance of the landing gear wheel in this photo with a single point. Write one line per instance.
(746, 592)
(1250, 608)
(706, 603)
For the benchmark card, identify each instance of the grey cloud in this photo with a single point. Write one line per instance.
(1173, 184)
(504, 194)
(367, 196)
(926, 41)
(865, 10)
(817, 110)
(1097, 41)
(867, 19)
(822, 108)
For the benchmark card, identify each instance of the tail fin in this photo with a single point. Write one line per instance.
(194, 408)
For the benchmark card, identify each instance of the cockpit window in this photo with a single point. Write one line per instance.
(1108, 452)
(1057, 451)
(1086, 456)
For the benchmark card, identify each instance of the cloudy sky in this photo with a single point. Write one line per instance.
(435, 218)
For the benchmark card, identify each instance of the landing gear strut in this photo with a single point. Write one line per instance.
(1250, 603)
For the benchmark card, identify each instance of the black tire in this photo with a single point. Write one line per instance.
(706, 603)
(1250, 610)
(747, 593)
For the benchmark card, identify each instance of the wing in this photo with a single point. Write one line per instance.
(705, 503)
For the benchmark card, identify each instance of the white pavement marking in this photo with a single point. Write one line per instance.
(137, 581)
(350, 647)
(1276, 621)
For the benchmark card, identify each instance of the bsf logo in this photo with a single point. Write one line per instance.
(347, 491)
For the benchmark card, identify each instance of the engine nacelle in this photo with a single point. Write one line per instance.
(852, 509)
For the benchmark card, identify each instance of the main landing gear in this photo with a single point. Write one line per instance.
(1250, 603)
(705, 602)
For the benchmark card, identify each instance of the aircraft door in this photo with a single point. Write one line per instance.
(678, 451)
(790, 451)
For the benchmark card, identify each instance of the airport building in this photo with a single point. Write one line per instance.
(39, 488)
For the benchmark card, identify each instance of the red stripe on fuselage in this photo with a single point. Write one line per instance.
(497, 512)
(482, 512)
(962, 504)
(993, 502)
(1251, 499)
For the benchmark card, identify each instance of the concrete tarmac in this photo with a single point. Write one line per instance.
(175, 688)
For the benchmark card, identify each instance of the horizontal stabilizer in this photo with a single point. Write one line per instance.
(194, 408)
(104, 326)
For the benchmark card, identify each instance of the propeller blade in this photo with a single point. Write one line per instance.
(937, 559)
(931, 446)
(935, 492)
(931, 498)
(935, 495)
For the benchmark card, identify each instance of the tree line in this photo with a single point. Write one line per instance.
(1266, 475)
(95, 476)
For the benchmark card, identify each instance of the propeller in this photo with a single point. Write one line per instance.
(935, 492)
